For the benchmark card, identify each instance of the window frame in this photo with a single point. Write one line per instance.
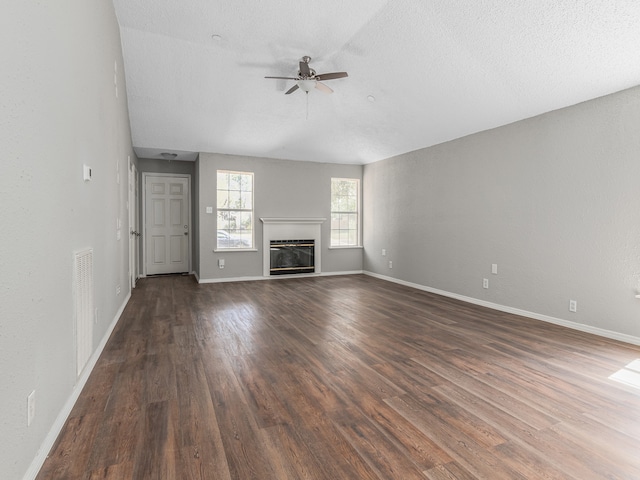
(357, 212)
(251, 210)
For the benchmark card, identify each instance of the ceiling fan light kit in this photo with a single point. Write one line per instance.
(308, 79)
(307, 85)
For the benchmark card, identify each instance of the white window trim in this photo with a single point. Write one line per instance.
(358, 212)
(252, 210)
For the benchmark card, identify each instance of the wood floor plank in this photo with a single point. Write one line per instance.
(69, 457)
(475, 458)
(577, 462)
(239, 430)
(378, 450)
(346, 377)
(408, 375)
(293, 457)
(257, 388)
(98, 388)
(539, 394)
(155, 460)
(611, 449)
(529, 463)
(200, 445)
(113, 472)
(119, 432)
(314, 430)
(450, 471)
(492, 404)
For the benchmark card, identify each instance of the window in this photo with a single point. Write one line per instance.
(235, 210)
(345, 204)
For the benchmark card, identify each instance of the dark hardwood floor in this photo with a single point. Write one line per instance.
(345, 378)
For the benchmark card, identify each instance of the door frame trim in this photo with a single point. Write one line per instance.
(144, 215)
(133, 210)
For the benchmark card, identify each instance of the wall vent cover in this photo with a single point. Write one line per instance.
(83, 290)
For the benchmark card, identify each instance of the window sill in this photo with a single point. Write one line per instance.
(225, 250)
(345, 247)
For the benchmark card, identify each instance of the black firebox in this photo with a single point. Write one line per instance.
(292, 256)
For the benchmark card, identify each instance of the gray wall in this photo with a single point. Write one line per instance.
(283, 188)
(59, 111)
(553, 200)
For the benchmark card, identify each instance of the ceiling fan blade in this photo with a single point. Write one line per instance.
(304, 69)
(292, 89)
(284, 78)
(323, 88)
(331, 76)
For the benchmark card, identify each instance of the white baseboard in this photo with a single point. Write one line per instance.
(56, 428)
(516, 311)
(352, 272)
(275, 277)
(230, 279)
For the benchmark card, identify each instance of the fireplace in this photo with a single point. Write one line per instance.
(280, 229)
(291, 257)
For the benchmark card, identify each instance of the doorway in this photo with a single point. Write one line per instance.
(167, 223)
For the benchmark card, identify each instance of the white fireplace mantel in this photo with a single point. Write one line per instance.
(283, 228)
(294, 220)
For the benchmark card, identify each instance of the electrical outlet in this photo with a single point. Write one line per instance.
(390, 264)
(31, 407)
(384, 252)
(221, 263)
(485, 283)
(117, 290)
(494, 268)
(573, 306)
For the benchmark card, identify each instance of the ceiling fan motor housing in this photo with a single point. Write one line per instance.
(312, 74)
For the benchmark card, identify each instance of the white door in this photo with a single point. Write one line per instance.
(167, 226)
(134, 226)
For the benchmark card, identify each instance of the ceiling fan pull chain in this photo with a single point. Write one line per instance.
(307, 95)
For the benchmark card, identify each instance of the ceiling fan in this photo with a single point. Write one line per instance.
(308, 79)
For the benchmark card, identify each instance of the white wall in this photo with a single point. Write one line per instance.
(553, 200)
(283, 188)
(59, 111)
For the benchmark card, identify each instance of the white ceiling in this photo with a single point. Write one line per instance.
(438, 70)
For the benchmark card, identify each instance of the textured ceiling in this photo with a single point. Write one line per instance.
(438, 70)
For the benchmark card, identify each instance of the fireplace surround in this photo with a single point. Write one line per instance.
(283, 229)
